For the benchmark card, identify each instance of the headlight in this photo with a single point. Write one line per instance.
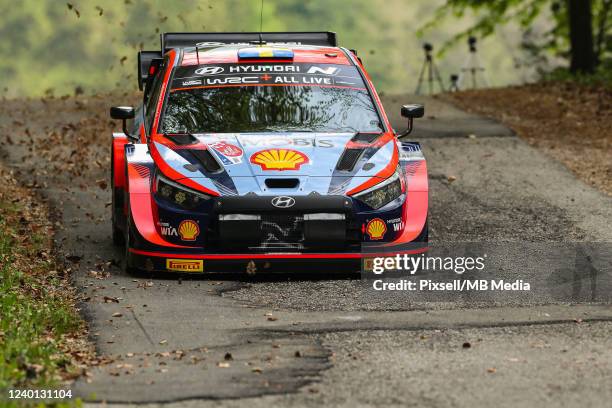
(382, 193)
(177, 194)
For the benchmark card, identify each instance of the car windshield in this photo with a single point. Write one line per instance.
(269, 101)
(270, 108)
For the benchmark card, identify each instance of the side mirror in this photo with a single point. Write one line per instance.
(411, 112)
(123, 113)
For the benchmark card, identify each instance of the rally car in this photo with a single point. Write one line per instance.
(258, 148)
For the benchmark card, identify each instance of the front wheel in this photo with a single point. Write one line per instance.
(116, 205)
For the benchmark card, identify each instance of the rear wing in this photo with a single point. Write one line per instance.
(207, 40)
(144, 64)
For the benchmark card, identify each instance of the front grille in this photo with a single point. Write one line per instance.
(281, 233)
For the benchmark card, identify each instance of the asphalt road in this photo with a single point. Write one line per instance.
(307, 340)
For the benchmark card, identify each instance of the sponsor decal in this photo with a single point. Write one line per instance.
(228, 153)
(268, 74)
(206, 44)
(397, 224)
(279, 159)
(325, 71)
(231, 80)
(188, 230)
(376, 229)
(192, 83)
(185, 265)
(248, 69)
(209, 70)
(285, 141)
(292, 79)
(167, 230)
(283, 202)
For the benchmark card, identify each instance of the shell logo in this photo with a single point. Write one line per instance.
(188, 230)
(376, 229)
(279, 159)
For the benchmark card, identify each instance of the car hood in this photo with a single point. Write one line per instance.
(247, 160)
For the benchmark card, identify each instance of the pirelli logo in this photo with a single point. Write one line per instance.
(185, 265)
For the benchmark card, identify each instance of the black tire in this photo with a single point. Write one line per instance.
(130, 270)
(117, 233)
(118, 237)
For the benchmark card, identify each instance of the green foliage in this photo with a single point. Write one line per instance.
(601, 78)
(47, 48)
(33, 317)
(490, 14)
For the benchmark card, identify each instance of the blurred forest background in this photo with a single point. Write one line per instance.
(58, 47)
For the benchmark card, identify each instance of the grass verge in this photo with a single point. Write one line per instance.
(42, 337)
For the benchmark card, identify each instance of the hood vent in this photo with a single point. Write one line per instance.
(349, 159)
(365, 137)
(282, 182)
(182, 139)
(207, 160)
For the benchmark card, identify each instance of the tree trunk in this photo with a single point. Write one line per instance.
(581, 36)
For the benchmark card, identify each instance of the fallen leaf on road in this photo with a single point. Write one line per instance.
(102, 184)
(272, 318)
(491, 370)
(163, 342)
(466, 345)
(223, 365)
(451, 179)
(257, 370)
(513, 360)
(117, 314)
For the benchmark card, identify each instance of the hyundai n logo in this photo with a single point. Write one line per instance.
(325, 71)
(283, 202)
(209, 70)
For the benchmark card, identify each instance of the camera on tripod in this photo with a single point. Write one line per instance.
(472, 43)
(431, 70)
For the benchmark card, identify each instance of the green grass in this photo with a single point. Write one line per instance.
(34, 315)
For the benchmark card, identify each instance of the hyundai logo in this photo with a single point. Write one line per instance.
(209, 70)
(283, 202)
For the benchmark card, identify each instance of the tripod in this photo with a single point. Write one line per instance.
(432, 72)
(473, 67)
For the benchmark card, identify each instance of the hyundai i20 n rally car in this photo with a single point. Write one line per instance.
(256, 148)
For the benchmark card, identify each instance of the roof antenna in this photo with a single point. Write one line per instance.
(261, 22)
(261, 19)
(197, 54)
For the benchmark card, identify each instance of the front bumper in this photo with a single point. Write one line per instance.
(236, 235)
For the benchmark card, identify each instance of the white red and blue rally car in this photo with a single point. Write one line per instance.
(258, 149)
